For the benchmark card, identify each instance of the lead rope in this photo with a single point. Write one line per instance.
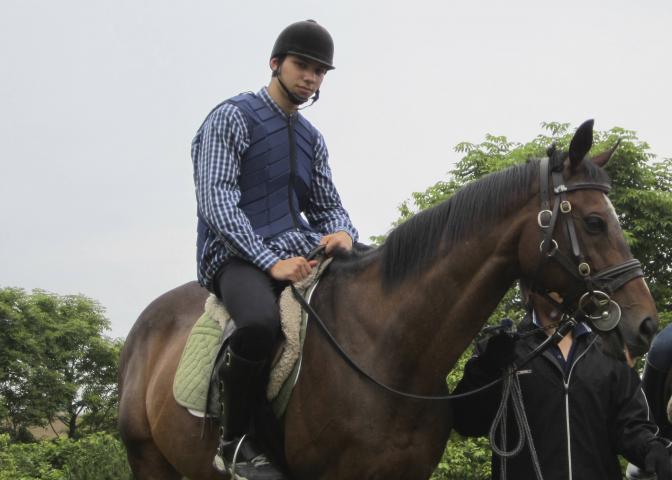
(511, 390)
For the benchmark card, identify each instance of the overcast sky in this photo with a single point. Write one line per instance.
(99, 102)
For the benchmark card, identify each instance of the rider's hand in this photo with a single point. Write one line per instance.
(293, 269)
(658, 460)
(336, 241)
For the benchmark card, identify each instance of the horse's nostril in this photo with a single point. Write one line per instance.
(648, 327)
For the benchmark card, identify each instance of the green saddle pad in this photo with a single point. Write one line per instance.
(192, 378)
(194, 371)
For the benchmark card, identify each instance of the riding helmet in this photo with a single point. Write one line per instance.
(306, 39)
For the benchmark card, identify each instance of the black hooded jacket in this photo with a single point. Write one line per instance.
(580, 417)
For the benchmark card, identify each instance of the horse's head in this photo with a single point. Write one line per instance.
(583, 254)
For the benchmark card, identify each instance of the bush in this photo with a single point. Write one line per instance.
(464, 458)
(98, 456)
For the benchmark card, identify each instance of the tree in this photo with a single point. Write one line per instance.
(55, 362)
(24, 379)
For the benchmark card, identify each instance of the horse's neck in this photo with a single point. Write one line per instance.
(427, 322)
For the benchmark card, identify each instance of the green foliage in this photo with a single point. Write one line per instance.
(55, 363)
(24, 461)
(464, 458)
(94, 457)
(97, 457)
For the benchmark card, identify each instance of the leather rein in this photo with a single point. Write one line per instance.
(607, 280)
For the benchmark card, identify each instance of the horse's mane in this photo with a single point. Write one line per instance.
(412, 246)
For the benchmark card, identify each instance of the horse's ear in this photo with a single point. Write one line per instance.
(602, 159)
(581, 143)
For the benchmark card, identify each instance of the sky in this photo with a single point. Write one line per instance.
(99, 102)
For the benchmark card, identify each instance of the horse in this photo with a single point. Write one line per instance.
(404, 312)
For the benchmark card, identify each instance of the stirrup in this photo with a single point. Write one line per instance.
(234, 460)
(252, 464)
(220, 463)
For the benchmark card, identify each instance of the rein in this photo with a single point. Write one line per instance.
(563, 328)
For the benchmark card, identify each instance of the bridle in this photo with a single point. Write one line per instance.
(589, 296)
(592, 292)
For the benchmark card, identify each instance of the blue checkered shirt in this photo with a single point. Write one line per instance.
(216, 154)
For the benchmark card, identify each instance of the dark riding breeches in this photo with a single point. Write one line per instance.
(250, 296)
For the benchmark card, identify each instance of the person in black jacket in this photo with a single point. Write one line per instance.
(584, 408)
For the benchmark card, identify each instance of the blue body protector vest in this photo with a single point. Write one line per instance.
(275, 172)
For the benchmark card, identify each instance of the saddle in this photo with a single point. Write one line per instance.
(195, 385)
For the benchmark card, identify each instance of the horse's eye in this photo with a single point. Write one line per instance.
(595, 224)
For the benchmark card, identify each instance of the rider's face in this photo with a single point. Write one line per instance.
(300, 75)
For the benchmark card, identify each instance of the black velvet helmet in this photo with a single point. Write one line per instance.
(306, 39)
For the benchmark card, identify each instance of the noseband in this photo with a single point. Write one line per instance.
(591, 291)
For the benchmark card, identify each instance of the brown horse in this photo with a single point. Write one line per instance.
(404, 312)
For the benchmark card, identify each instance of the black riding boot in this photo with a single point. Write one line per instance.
(653, 384)
(242, 384)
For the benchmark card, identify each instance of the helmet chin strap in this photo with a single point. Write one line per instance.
(294, 98)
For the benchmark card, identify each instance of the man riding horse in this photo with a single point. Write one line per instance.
(265, 199)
